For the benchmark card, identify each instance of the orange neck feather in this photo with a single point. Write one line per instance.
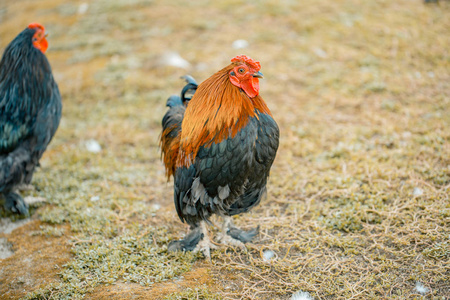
(217, 111)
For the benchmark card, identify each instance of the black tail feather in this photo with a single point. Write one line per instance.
(173, 101)
(186, 93)
(189, 89)
(171, 122)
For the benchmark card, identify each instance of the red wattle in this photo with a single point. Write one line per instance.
(44, 45)
(41, 45)
(251, 87)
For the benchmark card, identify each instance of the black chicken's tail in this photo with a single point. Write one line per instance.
(186, 94)
(171, 121)
(171, 124)
(189, 89)
(14, 168)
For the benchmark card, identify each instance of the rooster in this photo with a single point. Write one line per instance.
(30, 111)
(219, 146)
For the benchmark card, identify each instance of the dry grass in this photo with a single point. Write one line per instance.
(358, 204)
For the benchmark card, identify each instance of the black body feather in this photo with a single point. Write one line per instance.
(30, 111)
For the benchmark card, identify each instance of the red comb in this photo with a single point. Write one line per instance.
(36, 25)
(243, 58)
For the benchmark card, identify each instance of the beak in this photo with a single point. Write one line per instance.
(46, 35)
(258, 75)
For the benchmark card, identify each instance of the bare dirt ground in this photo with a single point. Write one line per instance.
(358, 200)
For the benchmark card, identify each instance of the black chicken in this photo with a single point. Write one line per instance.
(30, 111)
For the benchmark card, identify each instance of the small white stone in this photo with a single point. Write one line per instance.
(93, 146)
(175, 60)
(348, 23)
(133, 63)
(300, 295)
(320, 52)
(82, 9)
(430, 74)
(406, 135)
(240, 44)
(95, 198)
(156, 206)
(202, 66)
(421, 289)
(268, 255)
(417, 191)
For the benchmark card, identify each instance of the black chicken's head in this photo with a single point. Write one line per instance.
(39, 38)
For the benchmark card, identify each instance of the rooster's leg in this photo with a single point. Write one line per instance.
(197, 240)
(233, 236)
(205, 245)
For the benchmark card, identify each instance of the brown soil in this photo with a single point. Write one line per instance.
(121, 291)
(36, 261)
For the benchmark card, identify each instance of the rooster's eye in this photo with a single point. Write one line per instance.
(241, 70)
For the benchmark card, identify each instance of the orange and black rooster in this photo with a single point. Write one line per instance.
(219, 145)
(30, 111)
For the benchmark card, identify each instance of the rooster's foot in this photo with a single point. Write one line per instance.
(14, 203)
(235, 237)
(196, 241)
(205, 245)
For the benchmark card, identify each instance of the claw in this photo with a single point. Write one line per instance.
(243, 235)
(205, 244)
(205, 247)
(225, 239)
(196, 241)
(16, 204)
(236, 237)
(189, 243)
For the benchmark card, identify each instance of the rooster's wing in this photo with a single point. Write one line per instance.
(217, 177)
